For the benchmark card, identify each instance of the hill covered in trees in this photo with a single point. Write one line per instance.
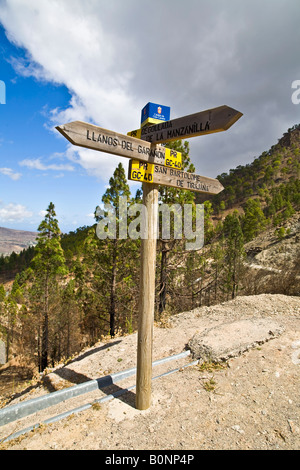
(71, 289)
(272, 179)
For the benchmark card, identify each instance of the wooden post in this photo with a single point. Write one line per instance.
(146, 299)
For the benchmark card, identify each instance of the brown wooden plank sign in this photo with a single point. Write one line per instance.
(93, 137)
(206, 122)
(150, 173)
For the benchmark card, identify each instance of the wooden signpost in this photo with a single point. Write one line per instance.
(153, 164)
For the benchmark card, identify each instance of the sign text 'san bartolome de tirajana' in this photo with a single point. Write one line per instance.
(149, 173)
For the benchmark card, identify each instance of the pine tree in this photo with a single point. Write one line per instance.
(172, 196)
(48, 265)
(16, 293)
(234, 252)
(66, 325)
(9, 313)
(254, 219)
(113, 257)
(118, 187)
(217, 264)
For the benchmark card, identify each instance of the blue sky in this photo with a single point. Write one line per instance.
(33, 170)
(101, 62)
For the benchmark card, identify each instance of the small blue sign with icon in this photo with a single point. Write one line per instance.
(155, 111)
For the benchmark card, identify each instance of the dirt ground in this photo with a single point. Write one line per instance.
(251, 402)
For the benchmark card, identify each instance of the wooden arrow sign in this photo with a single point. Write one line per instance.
(93, 137)
(206, 122)
(150, 173)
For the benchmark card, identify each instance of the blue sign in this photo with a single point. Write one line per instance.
(155, 111)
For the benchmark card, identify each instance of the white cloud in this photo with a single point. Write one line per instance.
(59, 175)
(10, 173)
(72, 43)
(36, 164)
(116, 56)
(14, 213)
(98, 164)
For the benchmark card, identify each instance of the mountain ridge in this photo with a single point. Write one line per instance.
(12, 240)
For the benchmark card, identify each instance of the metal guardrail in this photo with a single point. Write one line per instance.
(20, 410)
(89, 405)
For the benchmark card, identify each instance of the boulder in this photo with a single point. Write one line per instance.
(228, 340)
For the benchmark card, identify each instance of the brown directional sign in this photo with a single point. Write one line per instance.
(206, 122)
(151, 173)
(93, 137)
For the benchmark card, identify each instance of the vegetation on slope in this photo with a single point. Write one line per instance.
(71, 289)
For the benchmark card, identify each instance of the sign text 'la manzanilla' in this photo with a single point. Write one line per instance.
(206, 122)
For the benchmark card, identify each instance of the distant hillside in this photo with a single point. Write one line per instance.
(271, 176)
(15, 240)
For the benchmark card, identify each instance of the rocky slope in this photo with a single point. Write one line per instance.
(269, 252)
